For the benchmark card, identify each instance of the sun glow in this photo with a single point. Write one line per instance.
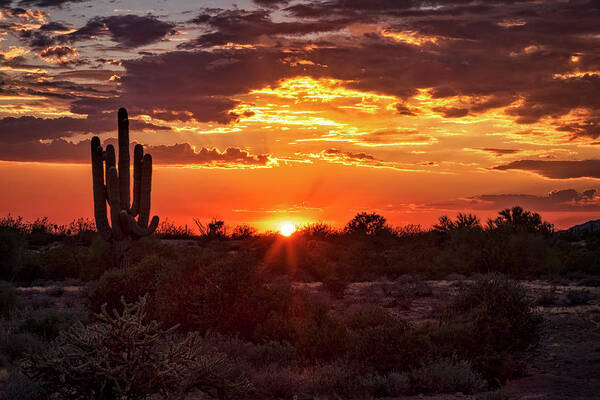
(287, 229)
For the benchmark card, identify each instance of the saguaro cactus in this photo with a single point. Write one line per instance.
(111, 186)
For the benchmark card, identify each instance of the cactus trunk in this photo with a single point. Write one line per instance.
(112, 185)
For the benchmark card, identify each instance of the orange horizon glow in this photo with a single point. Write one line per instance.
(260, 117)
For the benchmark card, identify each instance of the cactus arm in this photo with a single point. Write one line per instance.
(124, 184)
(113, 189)
(138, 154)
(145, 191)
(102, 225)
(137, 230)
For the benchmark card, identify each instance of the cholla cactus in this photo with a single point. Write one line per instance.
(125, 356)
(111, 185)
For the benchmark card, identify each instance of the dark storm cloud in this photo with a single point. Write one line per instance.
(588, 127)
(62, 151)
(557, 169)
(128, 30)
(271, 3)
(47, 3)
(162, 82)
(556, 200)
(490, 53)
(30, 129)
(38, 39)
(496, 52)
(247, 27)
(54, 27)
(499, 152)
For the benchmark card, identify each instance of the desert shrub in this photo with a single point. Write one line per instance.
(578, 297)
(490, 322)
(214, 229)
(368, 224)
(12, 243)
(125, 355)
(130, 284)
(100, 258)
(547, 297)
(43, 232)
(388, 385)
(317, 230)
(169, 230)
(335, 287)
(14, 345)
(378, 340)
(519, 253)
(9, 300)
(518, 220)
(463, 222)
(447, 376)
(62, 262)
(320, 336)
(20, 387)
(46, 327)
(241, 232)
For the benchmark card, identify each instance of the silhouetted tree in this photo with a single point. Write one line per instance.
(463, 222)
(518, 220)
(367, 224)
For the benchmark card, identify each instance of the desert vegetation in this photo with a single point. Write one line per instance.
(327, 312)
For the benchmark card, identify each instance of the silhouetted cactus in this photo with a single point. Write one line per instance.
(112, 186)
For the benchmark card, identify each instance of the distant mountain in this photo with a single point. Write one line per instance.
(590, 226)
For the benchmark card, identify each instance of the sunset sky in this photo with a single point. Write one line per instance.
(267, 111)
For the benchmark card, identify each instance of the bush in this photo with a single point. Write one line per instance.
(368, 224)
(447, 376)
(125, 355)
(12, 243)
(9, 300)
(490, 322)
(579, 297)
(335, 286)
(45, 327)
(321, 337)
(20, 387)
(130, 284)
(62, 262)
(381, 342)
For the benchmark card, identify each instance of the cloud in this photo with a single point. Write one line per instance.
(62, 151)
(556, 200)
(556, 169)
(48, 3)
(30, 129)
(271, 3)
(59, 54)
(162, 82)
(362, 160)
(248, 27)
(498, 152)
(128, 30)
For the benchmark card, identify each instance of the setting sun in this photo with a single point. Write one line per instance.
(287, 229)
